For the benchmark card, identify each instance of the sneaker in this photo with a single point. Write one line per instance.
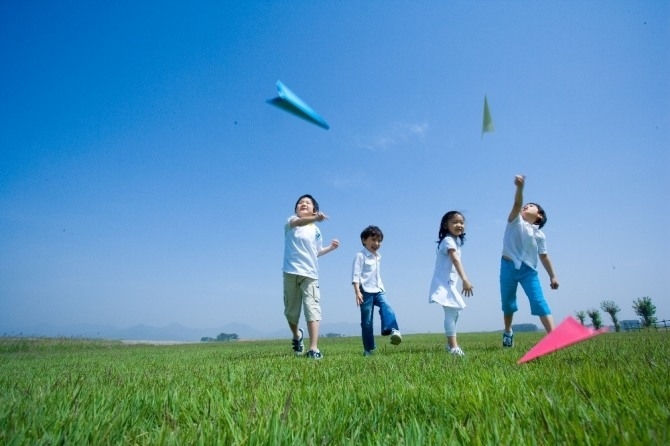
(297, 344)
(312, 354)
(508, 339)
(396, 337)
(456, 351)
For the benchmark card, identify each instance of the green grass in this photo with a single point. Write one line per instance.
(612, 389)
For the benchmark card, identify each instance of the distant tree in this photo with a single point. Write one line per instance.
(581, 315)
(524, 327)
(206, 339)
(596, 321)
(227, 337)
(333, 335)
(612, 309)
(646, 310)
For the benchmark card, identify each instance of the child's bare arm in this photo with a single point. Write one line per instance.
(519, 181)
(333, 245)
(546, 262)
(456, 260)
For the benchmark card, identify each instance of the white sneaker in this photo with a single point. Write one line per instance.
(456, 351)
(396, 337)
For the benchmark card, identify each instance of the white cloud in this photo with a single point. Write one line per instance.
(347, 182)
(397, 134)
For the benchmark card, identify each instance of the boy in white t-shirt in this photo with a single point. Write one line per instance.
(523, 243)
(302, 246)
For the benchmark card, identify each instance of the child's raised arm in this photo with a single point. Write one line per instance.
(303, 221)
(519, 181)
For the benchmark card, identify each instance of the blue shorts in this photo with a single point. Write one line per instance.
(510, 277)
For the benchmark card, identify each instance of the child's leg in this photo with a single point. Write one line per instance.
(548, 323)
(367, 328)
(508, 286)
(312, 308)
(450, 320)
(292, 302)
(386, 314)
(313, 330)
(507, 320)
(530, 282)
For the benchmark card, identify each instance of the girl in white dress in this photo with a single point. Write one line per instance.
(448, 268)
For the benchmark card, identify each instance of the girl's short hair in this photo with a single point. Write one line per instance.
(443, 232)
(372, 231)
(543, 214)
(314, 203)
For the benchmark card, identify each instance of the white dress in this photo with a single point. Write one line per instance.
(443, 286)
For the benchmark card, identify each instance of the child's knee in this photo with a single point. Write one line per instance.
(540, 308)
(509, 306)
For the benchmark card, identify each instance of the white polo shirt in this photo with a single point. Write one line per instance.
(366, 271)
(523, 243)
(301, 248)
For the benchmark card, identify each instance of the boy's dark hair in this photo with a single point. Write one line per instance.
(372, 231)
(540, 221)
(316, 205)
(443, 232)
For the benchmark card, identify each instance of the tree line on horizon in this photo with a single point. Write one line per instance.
(642, 306)
(221, 337)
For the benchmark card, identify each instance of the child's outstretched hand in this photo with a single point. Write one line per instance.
(467, 288)
(519, 180)
(333, 245)
(554, 283)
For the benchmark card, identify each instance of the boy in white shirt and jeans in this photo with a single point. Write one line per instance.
(369, 290)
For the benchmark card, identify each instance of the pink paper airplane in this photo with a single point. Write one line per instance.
(567, 333)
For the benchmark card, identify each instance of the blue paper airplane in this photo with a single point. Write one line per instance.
(291, 103)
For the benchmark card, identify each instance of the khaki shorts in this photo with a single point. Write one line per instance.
(301, 291)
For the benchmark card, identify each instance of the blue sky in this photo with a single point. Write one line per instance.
(144, 179)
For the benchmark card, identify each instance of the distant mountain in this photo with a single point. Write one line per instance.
(172, 332)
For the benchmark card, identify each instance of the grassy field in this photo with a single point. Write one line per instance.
(613, 389)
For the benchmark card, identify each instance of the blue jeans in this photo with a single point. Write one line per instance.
(389, 323)
(510, 277)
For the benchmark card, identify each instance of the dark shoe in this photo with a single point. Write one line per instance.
(508, 339)
(314, 355)
(297, 344)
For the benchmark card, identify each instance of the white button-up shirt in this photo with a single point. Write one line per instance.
(366, 271)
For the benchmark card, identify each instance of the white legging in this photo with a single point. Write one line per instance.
(450, 319)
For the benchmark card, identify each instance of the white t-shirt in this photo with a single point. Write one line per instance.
(523, 243)
(301, 247)
(366, 271)
(443, 286)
